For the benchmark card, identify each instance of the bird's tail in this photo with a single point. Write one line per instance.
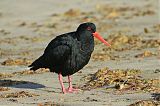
(39, 63)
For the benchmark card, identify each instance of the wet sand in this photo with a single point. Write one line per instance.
(26, 27)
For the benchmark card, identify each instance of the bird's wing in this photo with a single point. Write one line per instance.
(55, 56)
(59, 41)
(58, 50)
(59, 54)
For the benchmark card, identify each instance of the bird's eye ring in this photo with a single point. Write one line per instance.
(89, 28)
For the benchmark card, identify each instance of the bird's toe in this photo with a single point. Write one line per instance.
(72, 90)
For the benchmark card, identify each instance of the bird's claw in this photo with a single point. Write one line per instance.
(70, 90)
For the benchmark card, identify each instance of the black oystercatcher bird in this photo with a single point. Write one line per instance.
(68, 53)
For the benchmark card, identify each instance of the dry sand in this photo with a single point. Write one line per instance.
(27, 26)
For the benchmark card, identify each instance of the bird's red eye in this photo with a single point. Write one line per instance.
(89, 28)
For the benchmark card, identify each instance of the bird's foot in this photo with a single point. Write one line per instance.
(72, 90)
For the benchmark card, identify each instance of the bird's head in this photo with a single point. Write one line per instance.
(90, 27)
(87, 27)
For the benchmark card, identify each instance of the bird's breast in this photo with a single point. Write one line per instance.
(78, 59)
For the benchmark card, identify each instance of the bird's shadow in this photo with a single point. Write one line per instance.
(20, 84)
(156, 96)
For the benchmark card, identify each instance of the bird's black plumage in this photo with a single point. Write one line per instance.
(68, 53)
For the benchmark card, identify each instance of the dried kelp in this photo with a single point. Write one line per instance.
(20, 94)
(4, 89)
(49, 104)
(145, 54)
(101, 56)
(19, 61)
(122, 42)
(122, 80)
(146, 103)
(25, 72)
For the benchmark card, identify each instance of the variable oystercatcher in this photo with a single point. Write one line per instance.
(68, 53)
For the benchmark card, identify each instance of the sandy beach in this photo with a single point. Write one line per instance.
(132, 27)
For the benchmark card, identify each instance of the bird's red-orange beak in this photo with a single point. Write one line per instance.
(99, 37)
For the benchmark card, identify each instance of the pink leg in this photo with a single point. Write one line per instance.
(61, 82)
(70, 88)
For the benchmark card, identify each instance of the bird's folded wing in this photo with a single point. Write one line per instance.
(58, 54)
